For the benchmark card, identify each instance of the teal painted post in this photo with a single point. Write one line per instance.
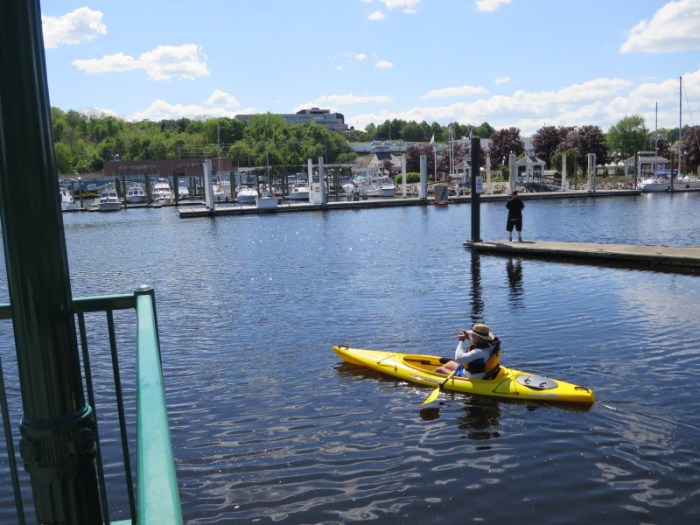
(158, 497)
(57, 439)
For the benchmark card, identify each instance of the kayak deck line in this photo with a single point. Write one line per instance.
(679, 259)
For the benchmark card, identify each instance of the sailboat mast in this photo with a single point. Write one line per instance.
(680, 123)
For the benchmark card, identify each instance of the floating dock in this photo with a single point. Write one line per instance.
(224, 209)
(658, 258)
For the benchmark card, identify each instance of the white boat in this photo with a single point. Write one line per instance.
(246, 195)
(670, 180)
(662, 182)
(183, 192)
(368, 186)
(136, 194)
(109, 201)
(162, 193)
(218, 191)
(299, 192)
(67, 202)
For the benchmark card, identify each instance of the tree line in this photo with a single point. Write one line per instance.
(84, 142)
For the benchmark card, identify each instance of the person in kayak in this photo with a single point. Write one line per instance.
(480, 360)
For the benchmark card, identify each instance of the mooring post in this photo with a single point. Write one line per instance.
(423, 191)
(57, 429)
(476, 187)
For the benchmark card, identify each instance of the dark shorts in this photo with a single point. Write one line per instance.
(514, 223)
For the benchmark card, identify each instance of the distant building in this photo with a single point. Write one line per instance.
(322, 117)
(163, 168)
(373, 164)
(646, 164)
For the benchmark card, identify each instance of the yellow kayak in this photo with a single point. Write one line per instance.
(509, 383)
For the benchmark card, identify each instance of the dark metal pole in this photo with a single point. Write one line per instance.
(476, 197)
(57, 443)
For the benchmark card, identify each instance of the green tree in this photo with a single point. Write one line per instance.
(485, 130)
(627, 137)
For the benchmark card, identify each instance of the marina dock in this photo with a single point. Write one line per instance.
(227, 209)
(659, 258)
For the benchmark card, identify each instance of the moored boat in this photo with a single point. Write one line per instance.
(377, 186)
(67, 201)
(509, 383)
(162, 193)
(299, 192)
(662, 182)
(109, 201)
(246, 195)
(136, 194)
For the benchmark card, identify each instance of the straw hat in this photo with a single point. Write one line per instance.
(483, 331)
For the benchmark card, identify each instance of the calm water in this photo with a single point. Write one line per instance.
(270, 427)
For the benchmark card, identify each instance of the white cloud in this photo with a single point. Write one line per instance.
(162, 63)
(165, 62)
(490, 5)
(574, 105)
(347, 100)
(383, 64)
(462, 91)
(405, 5)
(674, 27)
(81, 25)
(117, 63)
(222, 98)
(160, 110)
(361, 56)
(502, 80)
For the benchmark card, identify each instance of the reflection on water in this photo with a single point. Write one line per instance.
(480, 419)
(477, 301)
(514, 270)
(269, 426)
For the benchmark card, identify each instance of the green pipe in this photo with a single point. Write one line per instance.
(58, 442)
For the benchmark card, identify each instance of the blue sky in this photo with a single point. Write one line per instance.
(521, 63)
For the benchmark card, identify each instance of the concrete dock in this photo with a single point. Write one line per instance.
(658, 258)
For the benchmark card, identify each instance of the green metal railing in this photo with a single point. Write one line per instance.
(157, 501)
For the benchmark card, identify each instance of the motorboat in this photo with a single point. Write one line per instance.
(246, 195)
(109, 201)
(162, 193)
(183, 192)
(299, 192)
(371, 186)
(218, 191)
(136, 194)
(67, 201)
(662, 181)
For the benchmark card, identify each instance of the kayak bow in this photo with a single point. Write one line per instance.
(509, 383)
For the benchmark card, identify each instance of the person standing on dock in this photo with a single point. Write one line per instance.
(515, 216)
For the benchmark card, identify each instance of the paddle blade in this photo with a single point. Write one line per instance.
(433, 395)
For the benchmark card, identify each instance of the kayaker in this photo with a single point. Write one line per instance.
(480, 360)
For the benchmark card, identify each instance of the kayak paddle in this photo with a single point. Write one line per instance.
(433, 395)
